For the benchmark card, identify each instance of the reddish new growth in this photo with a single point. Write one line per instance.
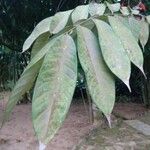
(140, 6)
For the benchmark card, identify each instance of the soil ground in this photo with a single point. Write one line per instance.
(76, 133)
(18, 134)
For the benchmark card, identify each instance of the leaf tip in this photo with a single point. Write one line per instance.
(41, 146)
(142, 70)
(108, 117)
(128, 85)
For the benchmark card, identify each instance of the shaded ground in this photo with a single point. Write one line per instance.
(121, 136)
(18, 134)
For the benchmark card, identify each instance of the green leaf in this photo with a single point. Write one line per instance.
(132, 24)
(125, 11)
(54, 88)
(113, 7)
(24, 84)
(129, 42)
(80, 12)
(135, 26)
(96, 9)
(113, 52)
(148, 19)
(40, 42)
(100, 82)
(41, 53)
(59, 21)
(41, 28)
(144, 33)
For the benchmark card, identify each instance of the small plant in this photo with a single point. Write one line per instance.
(102, 39)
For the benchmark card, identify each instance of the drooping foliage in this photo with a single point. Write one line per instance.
(105, 44)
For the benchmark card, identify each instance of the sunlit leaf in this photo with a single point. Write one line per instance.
(129, 42)
(113, 7)
(96, 9)
(135, 11)
(59, 21)
(125, 11)
(54, 88)
(80, 12)
(41, 28)
(100, 82)
(114, 54)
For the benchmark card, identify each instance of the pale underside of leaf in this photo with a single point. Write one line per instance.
(96, 9)
(80, 13)
(59, 21)
(40, 42)
(129, 42)
(41, 28)
(135, 11)
(54, 88)
(125, 11)
(24, 84)
(100, 82)
(144, 33)
(113, 52)
(113, 7)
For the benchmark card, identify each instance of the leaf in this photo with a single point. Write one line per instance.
(80, 12)
(129, 42)
(41, 53)
(135, 26)
(41, 28)
(148, 19)
(42, 146)
(113, 7)
(54, 88)
(40, 42)
(132, 24)
(144, 33)
(113, 52)
(135, 11)
(59, 21)
(125, 11)
(24, 84)
(100, 82)
(96, 9)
